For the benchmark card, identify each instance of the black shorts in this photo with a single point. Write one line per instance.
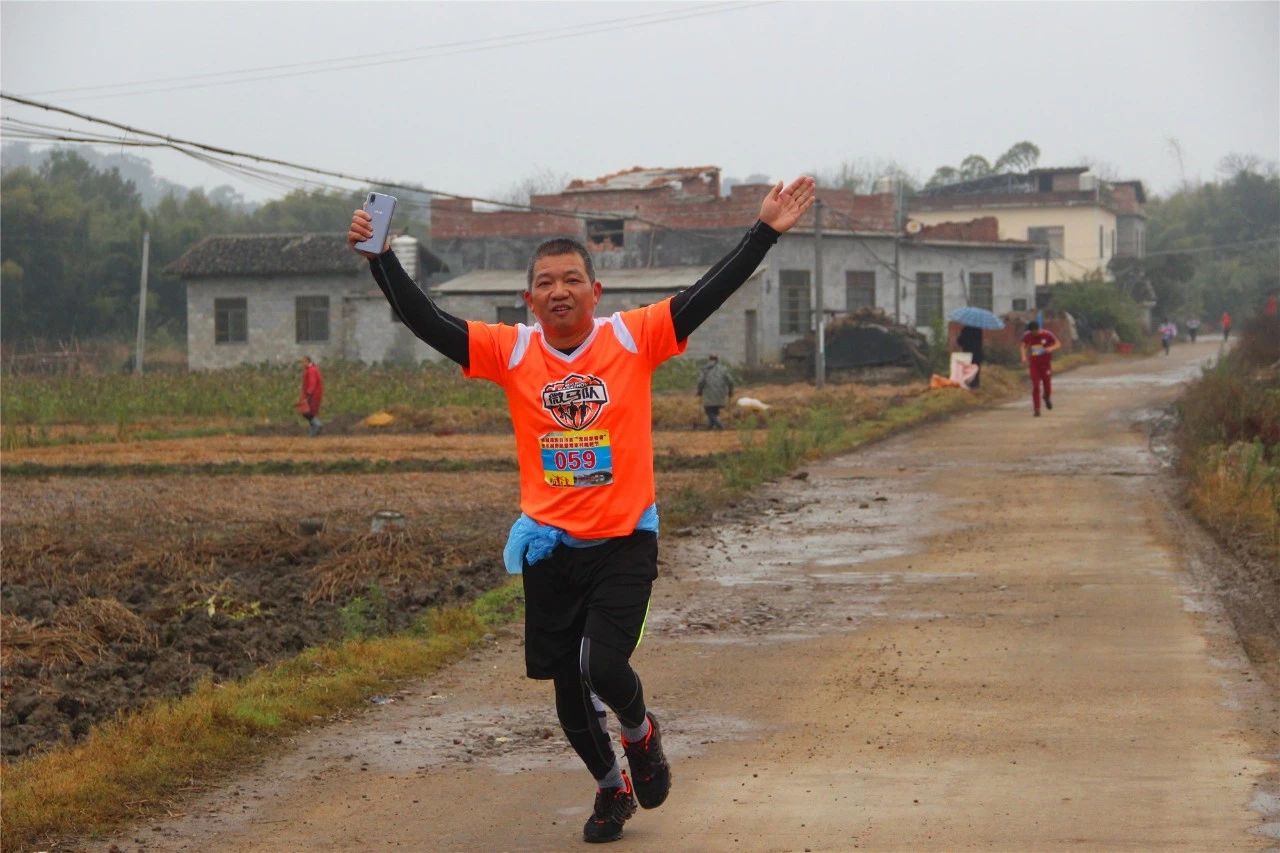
(601, 592)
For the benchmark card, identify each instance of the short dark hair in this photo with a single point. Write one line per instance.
(1033, 326)
(561, 246)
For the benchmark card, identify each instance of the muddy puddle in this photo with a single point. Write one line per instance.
(813, 555)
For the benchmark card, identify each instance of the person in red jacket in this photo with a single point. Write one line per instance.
(1226, 325)
(1037, 348)
(308, 404)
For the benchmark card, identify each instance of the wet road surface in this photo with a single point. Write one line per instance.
(980, 634)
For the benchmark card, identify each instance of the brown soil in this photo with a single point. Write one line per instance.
(249, 449)
(201, 577)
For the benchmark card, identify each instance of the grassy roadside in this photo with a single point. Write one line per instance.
(146, 757)
(1229, 438)
(126, 768)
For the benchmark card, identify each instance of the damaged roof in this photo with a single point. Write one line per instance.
(642, 178)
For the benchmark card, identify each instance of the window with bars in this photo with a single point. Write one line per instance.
(981, 290)
(230, 321)
(312, 319)
(793, 292)
(928, 298)
(859, 289)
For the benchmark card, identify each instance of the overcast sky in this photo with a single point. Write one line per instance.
(775, 88)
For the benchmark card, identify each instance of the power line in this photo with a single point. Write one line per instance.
(424, 52)
(1212, 248)
(178, 144)
(192, 149)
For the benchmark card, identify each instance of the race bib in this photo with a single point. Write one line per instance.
(571, 459)
(1037, 350)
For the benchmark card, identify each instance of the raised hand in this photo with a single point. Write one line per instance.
(362, 229)
(783, 207)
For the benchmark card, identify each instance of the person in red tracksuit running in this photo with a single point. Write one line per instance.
(1037, 348)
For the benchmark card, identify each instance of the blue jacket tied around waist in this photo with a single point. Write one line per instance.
(530, 541)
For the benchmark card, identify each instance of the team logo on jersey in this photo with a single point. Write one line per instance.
(575, 401)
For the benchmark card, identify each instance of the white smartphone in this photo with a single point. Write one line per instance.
(380, 209)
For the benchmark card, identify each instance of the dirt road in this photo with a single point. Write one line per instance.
(983, 634)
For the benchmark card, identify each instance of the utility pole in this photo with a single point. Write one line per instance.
(142, 306)
(897, 235)
(820, 355)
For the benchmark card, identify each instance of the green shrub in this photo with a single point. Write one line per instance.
(1098, 304)
(365, 615)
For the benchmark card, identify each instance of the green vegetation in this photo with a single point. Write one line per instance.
(255, 397)
(365, 615)
(1229, 433)
(1241, 214)
(72, 251)
(261, 394)
(1020, 157)
(1098, 304)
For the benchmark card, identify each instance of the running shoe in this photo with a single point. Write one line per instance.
(1048, 404)
(613, 807)
(649, 767)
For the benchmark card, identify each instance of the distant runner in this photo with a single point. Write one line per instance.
(578, 388)
(1037, 348)
(1168, 331)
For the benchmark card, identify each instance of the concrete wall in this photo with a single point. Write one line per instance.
(270, 319)
(374, 335)
(841, 253)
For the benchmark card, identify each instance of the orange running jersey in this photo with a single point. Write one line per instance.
(583, 422)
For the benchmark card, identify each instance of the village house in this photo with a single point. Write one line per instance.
(273, 298)
(651, 232)
(1079, 222)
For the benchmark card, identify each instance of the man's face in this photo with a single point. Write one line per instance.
(563, 297)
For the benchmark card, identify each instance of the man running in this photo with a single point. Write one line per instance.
(578, 389)
(1037, 348)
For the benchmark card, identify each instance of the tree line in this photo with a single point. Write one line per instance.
(71, 250)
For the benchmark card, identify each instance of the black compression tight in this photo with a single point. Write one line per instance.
(600, 672)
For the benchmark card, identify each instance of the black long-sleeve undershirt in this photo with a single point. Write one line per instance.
(439, 329)
(690, 308)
